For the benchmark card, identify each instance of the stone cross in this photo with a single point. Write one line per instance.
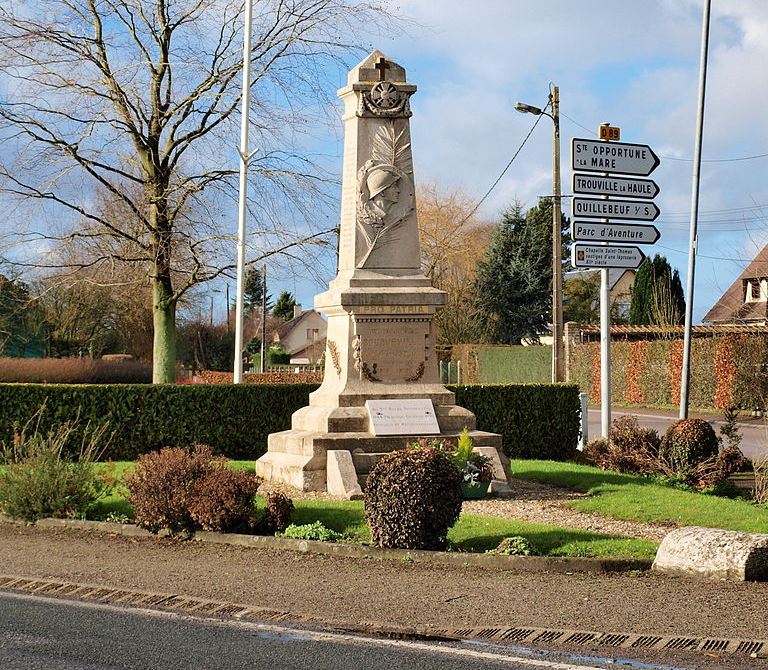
(382, 66)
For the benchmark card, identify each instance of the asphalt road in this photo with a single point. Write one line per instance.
(56, 634)
(754, 432)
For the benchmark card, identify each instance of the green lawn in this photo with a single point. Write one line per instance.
(641, 499)
(472, 533)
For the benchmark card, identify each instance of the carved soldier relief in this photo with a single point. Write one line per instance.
(385, 189)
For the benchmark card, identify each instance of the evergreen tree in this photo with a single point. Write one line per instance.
(252, 290)
(657, 295)
(283, 308)
(514, 286)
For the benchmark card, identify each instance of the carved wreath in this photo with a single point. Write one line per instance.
(385, 100)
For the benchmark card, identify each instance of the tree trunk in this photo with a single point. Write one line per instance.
(164, 346)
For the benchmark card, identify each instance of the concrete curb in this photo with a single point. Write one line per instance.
(456, 559)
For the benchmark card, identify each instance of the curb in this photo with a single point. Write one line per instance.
(564, 565)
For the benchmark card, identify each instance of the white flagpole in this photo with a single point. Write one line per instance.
(245, 157)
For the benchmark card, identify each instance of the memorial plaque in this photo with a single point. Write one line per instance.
(393, 350)
(402, 417)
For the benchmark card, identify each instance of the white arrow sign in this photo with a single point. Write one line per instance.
(621, 186)
(593, 231)
(592, 208)
(596, 156)
(598, 256)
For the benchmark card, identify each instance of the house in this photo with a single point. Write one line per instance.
(620, 283)
(303, 337)
(746, 301)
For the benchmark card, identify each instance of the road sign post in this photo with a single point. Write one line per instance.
(621, 157)
(624, 187)
(619, 233)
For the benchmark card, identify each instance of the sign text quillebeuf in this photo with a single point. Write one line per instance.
(623, 233)
(600, 256)
(592, 208)
(402, 417)
(623, 187)
(621, 157)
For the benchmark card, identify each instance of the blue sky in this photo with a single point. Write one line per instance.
(634, 64)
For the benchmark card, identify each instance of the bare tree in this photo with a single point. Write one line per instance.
(452, 243)
(135, 101)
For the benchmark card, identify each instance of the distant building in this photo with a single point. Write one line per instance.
(746, 301)
(620, 283)
(303, 337)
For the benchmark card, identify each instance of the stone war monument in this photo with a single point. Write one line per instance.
(381, 387)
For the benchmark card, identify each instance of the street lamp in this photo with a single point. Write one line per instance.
(557, 216)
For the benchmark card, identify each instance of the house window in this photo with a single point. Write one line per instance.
(755, 289)
(313, 333)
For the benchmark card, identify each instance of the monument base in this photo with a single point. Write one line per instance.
(301, 458)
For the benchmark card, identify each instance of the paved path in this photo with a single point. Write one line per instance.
(753, 430)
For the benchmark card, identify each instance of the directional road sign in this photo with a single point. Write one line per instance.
(598, 256)
(622, 157)
(620, 186)
(593, 231)
(591, 208)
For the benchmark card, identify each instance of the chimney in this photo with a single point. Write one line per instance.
(297, 310)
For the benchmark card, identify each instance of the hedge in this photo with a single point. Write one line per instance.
(725, 371)
(536, 421)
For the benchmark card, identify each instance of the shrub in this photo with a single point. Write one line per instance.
(184, 491)
(760, 491)
(514, 546)
(412, 498)
(222, 500)
(687, 443)
(311, 531)
(40, 480)
(630, 448)
(277, 515)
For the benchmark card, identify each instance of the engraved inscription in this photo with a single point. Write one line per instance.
(396, 346)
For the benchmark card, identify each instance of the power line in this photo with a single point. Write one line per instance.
(504, 171)
(675, 158)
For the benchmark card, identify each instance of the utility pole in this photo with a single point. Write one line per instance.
(693, 241)
(557, 248)
(263, 366)
(605, 342)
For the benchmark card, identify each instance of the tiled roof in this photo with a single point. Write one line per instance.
(731, 306)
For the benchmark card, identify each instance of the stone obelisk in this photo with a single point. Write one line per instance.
(380, 306)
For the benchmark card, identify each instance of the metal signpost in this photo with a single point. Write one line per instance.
(608, 156)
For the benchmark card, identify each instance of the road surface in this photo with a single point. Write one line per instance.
(57, 634)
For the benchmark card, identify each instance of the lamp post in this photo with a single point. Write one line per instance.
(557, 217)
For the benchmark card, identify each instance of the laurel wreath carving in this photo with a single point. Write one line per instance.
(369, 374)
(418, 375)
(333, 350)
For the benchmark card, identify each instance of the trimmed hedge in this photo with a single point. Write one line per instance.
(535, 420)
(725, 371)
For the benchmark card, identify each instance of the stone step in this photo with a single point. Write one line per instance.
(367, 443)
(364, 462)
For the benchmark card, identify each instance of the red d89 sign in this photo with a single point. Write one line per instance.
(609, 133)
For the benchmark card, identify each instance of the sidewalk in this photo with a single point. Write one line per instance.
(356, 591)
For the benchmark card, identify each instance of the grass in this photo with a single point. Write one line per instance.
(472, 533)
(636, 498)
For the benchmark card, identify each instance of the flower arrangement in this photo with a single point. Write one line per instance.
(474, 467)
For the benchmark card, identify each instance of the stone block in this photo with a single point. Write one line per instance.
(714, 554)
(341, 474)
(500, 463)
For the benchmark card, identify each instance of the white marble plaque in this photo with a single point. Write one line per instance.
(402, 417)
